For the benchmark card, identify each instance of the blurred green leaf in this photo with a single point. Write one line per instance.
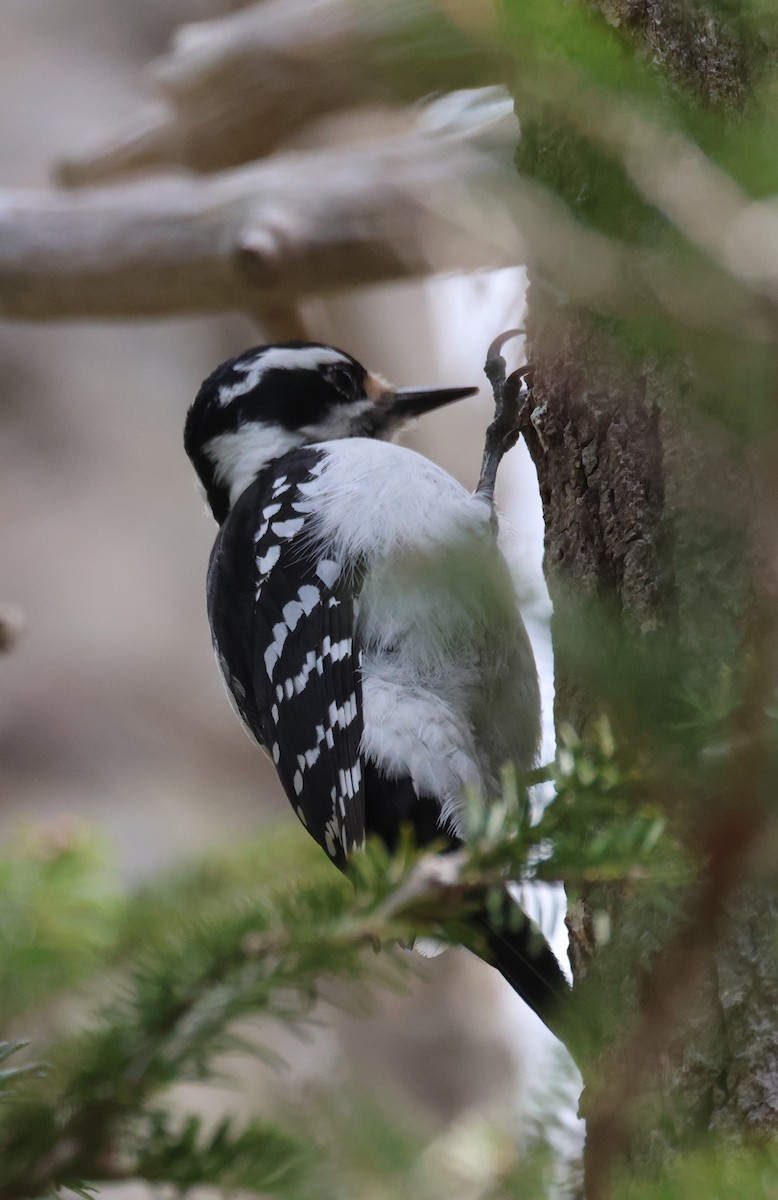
(59, 912)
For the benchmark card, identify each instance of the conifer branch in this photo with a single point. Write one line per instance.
(98, 1113)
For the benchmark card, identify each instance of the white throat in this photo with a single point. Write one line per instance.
(238, 457)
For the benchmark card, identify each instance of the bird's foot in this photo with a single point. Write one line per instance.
(510, 397)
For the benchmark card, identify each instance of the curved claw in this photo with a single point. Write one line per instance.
(498, 343)
(503, 432)
(517, 377)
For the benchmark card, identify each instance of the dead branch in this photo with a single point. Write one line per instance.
(234, 89)
(441, 197)
(260, 237)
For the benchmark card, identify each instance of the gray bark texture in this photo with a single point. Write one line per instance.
(648, 516)
(634, 499)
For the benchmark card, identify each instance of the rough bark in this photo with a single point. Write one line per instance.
(647, 517)
(624, 486)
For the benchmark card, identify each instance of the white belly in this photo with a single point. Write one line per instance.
(449, 682)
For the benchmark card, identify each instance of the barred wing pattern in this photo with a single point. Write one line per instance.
(287, 648)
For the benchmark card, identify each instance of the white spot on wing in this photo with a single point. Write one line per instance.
(340, 650)
(328, 571)
(266, 563)
(309, 596)
(298, 682)
(292, 612)
(268, 512)
(287, 529)
(273, 652)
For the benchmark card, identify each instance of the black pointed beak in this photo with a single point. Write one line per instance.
(413, 402)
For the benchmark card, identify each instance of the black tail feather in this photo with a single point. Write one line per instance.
(503, 934)
(513, 944)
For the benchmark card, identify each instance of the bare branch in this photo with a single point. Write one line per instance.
(234, 89)
(260, 237)
(441, 197)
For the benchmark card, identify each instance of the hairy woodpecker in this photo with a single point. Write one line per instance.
(364, 619)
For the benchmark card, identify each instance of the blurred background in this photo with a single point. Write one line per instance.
(111, 709)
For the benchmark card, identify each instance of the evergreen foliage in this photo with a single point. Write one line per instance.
(180, 961)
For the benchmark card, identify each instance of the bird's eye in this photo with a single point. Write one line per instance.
(342, 379)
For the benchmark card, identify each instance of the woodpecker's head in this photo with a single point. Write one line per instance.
(270, 399)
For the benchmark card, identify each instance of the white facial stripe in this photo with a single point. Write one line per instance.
(240, 455)
(338, 422)
(278, 358)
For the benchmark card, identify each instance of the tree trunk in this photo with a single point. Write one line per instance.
(647, 522)
(624, 486)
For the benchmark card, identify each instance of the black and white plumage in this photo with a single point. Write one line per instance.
(363, 617)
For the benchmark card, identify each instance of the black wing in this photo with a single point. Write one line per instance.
(282, 618)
